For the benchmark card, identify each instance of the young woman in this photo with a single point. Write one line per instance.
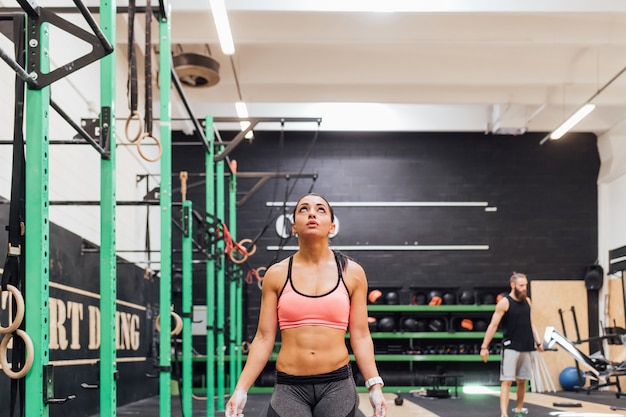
(314, 297)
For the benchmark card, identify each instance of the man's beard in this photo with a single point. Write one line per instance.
(519, 295)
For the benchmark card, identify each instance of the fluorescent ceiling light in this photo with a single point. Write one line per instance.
(242, 112)
(572, 121)
(223, 26)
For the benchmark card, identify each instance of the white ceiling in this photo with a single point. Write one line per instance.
(479, 65)
(436, 66)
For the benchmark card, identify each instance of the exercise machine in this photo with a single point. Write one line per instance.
(603, 373)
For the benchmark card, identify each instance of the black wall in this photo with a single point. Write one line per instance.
(545, 196)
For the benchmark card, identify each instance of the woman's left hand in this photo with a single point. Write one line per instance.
(378, 401)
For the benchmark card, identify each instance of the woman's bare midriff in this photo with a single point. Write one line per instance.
(312, 350)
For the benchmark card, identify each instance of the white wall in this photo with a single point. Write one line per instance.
(74, 170)
(611, 207)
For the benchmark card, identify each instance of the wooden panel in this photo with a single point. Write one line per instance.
(547, 298)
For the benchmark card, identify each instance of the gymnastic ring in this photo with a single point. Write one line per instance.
(19, 314)
(134, 114)
(245, 347)
(158, 143)
(177, 329)
(232, 253)
(252, 249)
(30, 354)
(259, 281)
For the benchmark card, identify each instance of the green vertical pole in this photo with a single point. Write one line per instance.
(239, 289)
(186, 308)
(37, 224)
(108, 267)
(165, 288)
(219, 209)
(210, 273)
(239, 334)
(235, 285)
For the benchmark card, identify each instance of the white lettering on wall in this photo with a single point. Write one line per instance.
(94, 327)
(75, 314)
(69, 316)
(58, 334)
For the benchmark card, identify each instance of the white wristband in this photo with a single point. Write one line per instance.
(373, 381)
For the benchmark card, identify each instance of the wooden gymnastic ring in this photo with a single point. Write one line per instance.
(259, 282)
(232, 257)
(30, 354)
(134, 114)
(177, 329)
(19, 314)
(245, 347)
(252, 248)
(158, 143)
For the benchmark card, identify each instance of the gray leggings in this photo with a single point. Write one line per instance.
(328, 395)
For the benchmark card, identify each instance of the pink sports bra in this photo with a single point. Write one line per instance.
(330, 310)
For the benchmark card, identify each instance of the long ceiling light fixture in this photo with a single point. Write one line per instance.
(579, 114)
(220, 17)
(565, 127)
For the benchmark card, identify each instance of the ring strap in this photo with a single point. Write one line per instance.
(132, 59)
(148, 69)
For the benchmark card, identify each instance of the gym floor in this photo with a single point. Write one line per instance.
(568, 404)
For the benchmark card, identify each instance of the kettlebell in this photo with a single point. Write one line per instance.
(398, 400)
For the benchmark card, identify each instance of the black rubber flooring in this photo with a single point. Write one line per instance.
(467, 405)
(256, 406)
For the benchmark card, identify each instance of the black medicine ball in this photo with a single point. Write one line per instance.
(386, 324)
(467, 297)
(421, 325)
(489, 299)
(480, 325)
(409, 324)
(449, 298)
(392, 298)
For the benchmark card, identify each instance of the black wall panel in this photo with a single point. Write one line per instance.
(543, 197)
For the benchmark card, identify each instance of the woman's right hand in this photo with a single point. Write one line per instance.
(378, 401)
(234, 407)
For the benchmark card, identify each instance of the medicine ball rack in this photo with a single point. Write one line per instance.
(439, 334)
(412, 338)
